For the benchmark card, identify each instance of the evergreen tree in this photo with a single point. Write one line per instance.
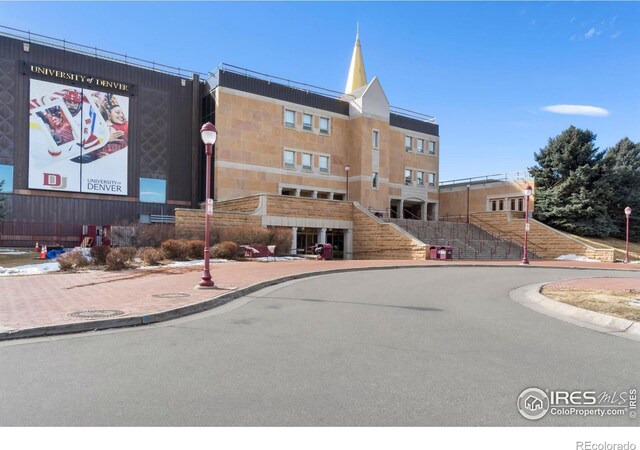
(621, 170)
(571, 193)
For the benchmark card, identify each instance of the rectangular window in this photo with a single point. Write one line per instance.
(6, 175)
(407, 176)
(494, 205)
(420, 145)
(306, 161)
(289, 159)
(408, 141)
(324, 125)
(420, 178)
(374, 138)
(324, 164)
(307, 121)
(289, 118)
(432, 179)
(501, 205)
(153, 190)
(432, 148)
(513, 204)
(374, 180)
(520, 204)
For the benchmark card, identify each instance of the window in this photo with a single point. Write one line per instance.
(494, 205)
(420, 178)
(306, 161)
(501, 205)
(520, 203)
(153, 190)
(374, 180)
(374, 138)
(408, 140)
(307, 120)
(289, 118)
(420, 145)
(407, 176)
(324, 164)
(432, 148)
(6, 175)
(324, 125)
(512, 204)
(432, 179)
(289, 159)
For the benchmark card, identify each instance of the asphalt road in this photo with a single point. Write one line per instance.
(405, 347)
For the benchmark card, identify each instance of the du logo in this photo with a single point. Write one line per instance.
(55, 181)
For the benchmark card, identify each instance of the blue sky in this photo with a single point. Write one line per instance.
(485, 70)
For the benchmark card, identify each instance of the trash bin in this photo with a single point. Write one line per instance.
(442, 252)
(448, 249)
(433, 252)
(327, 251)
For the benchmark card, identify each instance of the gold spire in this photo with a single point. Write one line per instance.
(357, 76)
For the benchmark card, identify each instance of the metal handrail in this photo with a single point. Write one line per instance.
(517, 175)
(511, 237)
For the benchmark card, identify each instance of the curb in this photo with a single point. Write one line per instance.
(98, 325)
(531, 297)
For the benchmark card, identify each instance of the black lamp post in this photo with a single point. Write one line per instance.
(209, 134)
(468, 190)
(346, 169)
(527, 194)
(627, 212)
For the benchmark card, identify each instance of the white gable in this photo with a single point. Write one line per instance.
(370, 101)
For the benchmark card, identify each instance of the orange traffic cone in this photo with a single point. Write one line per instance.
(37, 247)
(43, 252)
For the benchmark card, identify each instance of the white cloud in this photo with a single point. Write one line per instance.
(589, 34)
(578, 110)
(616, 34)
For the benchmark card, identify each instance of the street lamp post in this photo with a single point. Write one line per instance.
(527, 194)
(468, 190)
(346, 169)
(627, 212)
(209, 134)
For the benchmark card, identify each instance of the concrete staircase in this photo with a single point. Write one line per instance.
(469, 241)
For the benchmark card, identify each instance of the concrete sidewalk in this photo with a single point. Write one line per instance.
(40, 305)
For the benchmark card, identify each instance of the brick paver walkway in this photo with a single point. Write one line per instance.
(44, 300)
(603, 284)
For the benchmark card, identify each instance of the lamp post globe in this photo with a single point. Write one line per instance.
(209, 134)
(527, 194)
(627, 213)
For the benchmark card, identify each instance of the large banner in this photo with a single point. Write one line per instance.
(78, 139)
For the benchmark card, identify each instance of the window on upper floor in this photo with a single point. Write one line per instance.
(324, 125)
(432, 148)
(306, 161)
(420, 178)
(289, 159)
(408, 141)
(289, 118)
(307, 122)
(324, 164)
(375, 139)
(420, 145)
(432, 179)
(374, 180)
(408, 176)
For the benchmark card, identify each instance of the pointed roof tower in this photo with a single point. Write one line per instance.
(357, 76)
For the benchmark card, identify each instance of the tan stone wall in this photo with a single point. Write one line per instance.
(453, 201)
(375, 240)
(190, 222)
(543, 240)
(312, 208)
(245, 204)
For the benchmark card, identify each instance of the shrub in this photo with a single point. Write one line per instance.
(225, 250)
(129, 253)
(281, 238)
(72, 260)
(150, 256)
(99, 254)
(116, 259)
(246, 235)
(196, 249)
(142, 234)
(177, 250)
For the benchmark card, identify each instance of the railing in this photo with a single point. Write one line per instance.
(63, 44)
(26, 234)
(506, 235)
(508, 176)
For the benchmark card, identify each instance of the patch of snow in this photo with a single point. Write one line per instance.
(196, 262)
(32, 269)
(574, 257)
(14, 251)
(278, 258)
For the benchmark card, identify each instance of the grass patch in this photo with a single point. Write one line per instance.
(613, 303)
(29, 258)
